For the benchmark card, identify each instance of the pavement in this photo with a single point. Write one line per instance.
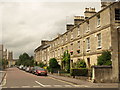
(16, 78)
(2, 74)
(85, 83)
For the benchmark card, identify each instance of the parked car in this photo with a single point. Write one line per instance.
(41, 71)
(30, 69)
(27, 69)
(21, 67)
(24, 68)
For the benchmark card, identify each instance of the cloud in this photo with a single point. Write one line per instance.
(25, 24)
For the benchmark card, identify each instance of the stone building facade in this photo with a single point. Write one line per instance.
(6, 55)
(1, 52)
(88, 37)
(42, 52)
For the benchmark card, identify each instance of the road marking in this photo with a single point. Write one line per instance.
(80, 86)
(57, 85)
(4, 87)
(68, 86)
(15, 87)
(36, 86)
(47, 85)
(40, 83)
(25, 86)
(63, 81)
(4, 81)
(77, 85)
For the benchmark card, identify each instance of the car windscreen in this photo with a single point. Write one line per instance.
(41, 69)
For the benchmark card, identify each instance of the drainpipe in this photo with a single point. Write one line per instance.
(118, 30)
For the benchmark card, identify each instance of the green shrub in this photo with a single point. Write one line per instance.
(80, 64)
(79, 72)
(41, 64)
(105, 58)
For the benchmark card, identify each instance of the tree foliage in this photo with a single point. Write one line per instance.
(41, 64)
(25, 59)
(105, 58)
(3, 63)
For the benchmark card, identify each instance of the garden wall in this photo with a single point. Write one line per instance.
(102, 74)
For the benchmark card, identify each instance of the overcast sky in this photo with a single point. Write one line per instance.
(25, 24)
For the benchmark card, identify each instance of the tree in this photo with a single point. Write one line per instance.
(105, 58)
(66, 61)
(53, 63)
(25, 59)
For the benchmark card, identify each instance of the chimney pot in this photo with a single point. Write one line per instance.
(89, 12)
(92, 10)
(87, 9)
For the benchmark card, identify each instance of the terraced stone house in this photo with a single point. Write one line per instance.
(88, 37)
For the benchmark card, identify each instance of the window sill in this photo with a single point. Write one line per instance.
(87, 50)
(117, 21)
(87, 31)
(98, 26)
(78, 35)
(99, 47)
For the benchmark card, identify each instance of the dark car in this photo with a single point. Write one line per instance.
(41, 71)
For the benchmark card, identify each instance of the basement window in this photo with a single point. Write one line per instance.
(117, 14)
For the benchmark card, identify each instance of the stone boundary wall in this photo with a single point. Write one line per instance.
(102, 74)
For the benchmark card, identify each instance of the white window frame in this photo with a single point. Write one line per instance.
(71, 34)
(88, 27)
(66, 38)
(62, 40)
(78, 30)
(98, 21)
(88, 43)
(99, 41)
(72, 46)
(78, 44)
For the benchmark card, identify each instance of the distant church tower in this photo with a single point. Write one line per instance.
(10, 58)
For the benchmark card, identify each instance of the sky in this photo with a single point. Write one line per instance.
(24, 24)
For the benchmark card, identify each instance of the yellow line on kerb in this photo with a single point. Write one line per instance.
(62, 81)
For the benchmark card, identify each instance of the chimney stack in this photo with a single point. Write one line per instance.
(105, 3)
(78, 19)
(44, 42)
(69, 26)
(89, 12)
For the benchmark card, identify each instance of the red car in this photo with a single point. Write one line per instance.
(41, 71)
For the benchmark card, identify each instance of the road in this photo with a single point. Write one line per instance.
(16, 78)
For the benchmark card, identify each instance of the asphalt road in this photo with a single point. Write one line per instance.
(16, 78)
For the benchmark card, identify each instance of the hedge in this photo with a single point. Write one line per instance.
(79, 72)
